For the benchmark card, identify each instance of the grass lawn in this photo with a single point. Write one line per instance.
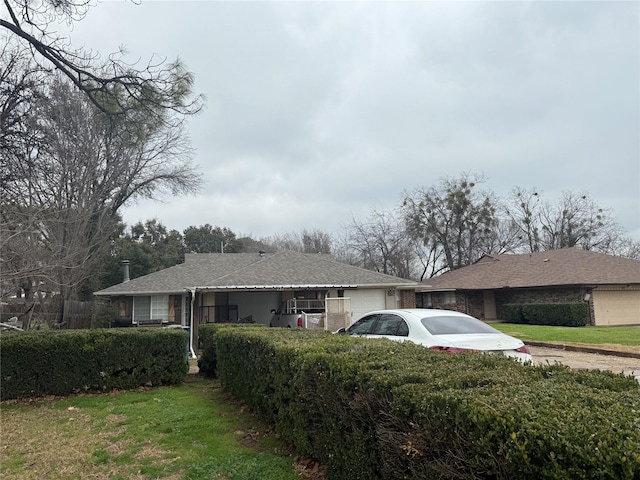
(607, 336)
(191, 431)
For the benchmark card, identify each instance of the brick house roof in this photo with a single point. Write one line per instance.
(567, 266)
(251, 271)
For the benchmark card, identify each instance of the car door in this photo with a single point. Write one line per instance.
(364, 326)
(391, 326)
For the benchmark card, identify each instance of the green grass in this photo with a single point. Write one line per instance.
(193, 431)
(594, 335)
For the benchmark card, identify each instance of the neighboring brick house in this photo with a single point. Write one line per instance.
(610, 284)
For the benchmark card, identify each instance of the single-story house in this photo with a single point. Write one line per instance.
(610, 284)
(236, 287)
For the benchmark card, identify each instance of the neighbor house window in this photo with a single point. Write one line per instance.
(154, 307)
(449, 298)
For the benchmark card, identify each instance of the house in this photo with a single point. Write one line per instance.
(610, 284)
(236, 287)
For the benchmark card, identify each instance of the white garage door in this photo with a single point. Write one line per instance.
(363, 301)
(616, 307)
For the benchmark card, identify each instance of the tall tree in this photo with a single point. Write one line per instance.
(455, 216)
(112, 85)
(523, 210)
(381, 243)
(316, 241)
(148, 247)
(305, 241)
(577, 221)
(81, 168)
(208, 239)
(574, 221)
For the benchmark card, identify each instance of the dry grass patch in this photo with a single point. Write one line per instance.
(41, 442)
(166, 433)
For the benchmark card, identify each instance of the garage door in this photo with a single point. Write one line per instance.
(616, 307)
(363, 301)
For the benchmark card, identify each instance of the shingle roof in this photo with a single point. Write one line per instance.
(567, 266)
(247, 271)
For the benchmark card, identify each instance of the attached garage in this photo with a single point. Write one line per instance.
(616, 306)
(364, 301)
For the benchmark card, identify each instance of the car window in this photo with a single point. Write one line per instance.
(363, 326)
(455, 324)
(390, 324)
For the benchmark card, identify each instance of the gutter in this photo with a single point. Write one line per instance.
(314, 286)
(193, 299)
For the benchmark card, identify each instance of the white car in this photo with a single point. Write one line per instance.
(444, 330)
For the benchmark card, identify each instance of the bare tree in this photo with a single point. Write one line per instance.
(306, 241)
(575, 221)
(381, 243)
(82, 167)
(316, 241)
(524, 211)
(112, 85)
(455, 216)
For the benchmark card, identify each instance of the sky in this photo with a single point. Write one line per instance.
(318, 113)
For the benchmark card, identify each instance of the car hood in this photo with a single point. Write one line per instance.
(483, 342)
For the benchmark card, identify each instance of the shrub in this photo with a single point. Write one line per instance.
(557, 314)
(207, 365)
(380, 409)
(512, 313)
(62, 362)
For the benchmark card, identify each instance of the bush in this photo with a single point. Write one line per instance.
(554, 314)
(207, 365)
(62, 362)
(105, 313)
(512, 313)
(380, 409)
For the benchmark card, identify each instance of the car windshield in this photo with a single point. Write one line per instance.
(454, 324)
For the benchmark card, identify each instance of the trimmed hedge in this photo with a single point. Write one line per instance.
(38, 363)
(555, 314)
(207, 333)
(377, 409)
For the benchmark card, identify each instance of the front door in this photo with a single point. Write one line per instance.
(489, 305)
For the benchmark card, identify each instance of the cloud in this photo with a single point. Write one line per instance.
(319, 111)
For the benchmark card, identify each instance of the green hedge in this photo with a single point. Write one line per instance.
(376, 409)
(207, 343)
(62, 362)
(555, 314)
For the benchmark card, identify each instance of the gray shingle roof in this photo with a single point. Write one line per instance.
(246, 271)
(567, 266)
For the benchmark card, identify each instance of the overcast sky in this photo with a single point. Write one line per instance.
(320, 112)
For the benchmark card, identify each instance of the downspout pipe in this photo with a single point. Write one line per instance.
(193, 300)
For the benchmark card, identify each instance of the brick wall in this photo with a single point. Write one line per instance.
(407, 299)
(472, 302)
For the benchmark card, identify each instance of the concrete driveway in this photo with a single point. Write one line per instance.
(583, 360)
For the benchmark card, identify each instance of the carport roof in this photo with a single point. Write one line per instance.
(252, 271)
(567, 266)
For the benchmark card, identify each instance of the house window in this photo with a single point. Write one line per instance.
(449, 298)
(160, 307)
(423, 300)
(141, 309)
(151, 308)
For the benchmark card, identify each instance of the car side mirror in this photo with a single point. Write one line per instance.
(342, 330)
